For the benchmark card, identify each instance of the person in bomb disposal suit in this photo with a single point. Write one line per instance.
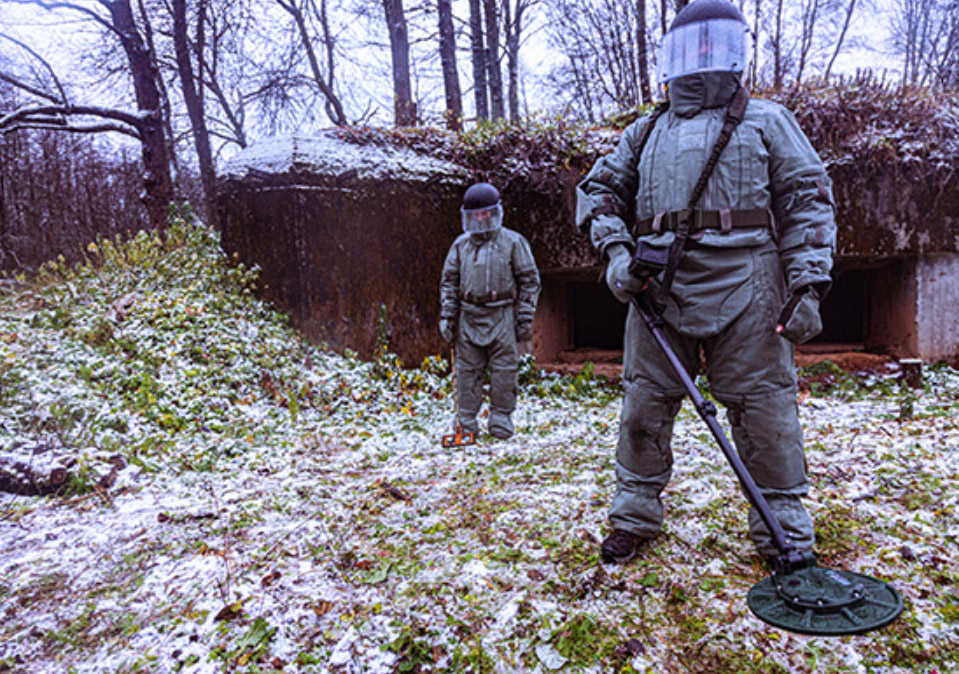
(488, 294)
(741, 279)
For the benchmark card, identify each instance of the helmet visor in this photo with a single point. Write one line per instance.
(479, 220)
(715, 45)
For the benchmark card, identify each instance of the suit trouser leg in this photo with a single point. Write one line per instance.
(503, 366)
(470, 371)
(752, 372)
(652, 397)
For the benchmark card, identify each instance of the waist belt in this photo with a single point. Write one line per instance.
(487, 298)
(725, 220)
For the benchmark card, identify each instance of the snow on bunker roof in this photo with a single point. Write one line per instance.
(326, 154)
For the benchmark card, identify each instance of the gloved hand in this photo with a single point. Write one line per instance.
(447, 331)
(623, 285)
(800, 321)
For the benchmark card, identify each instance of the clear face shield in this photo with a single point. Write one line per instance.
(482, 220)
(723, 45)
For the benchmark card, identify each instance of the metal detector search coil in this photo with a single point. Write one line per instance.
(829, 602)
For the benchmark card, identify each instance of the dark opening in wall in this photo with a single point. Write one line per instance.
(843, 311)
(599, 319)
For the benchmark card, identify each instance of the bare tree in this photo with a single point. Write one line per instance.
(850, 9)
(58, 191)
(515, 13)
(324, 81)
(224, 26)
(642, 51)
(404, 109)
(776, 45)
(809, 13)
(926, 36)
(600, 41)
(479, 58)
(193, 98)
(54, 110)
(495, 72)
(757, 13)
(451, 81)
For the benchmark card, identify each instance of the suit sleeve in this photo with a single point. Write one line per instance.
(802, 203)
(450, 285)
(605, 198)
(528, 286)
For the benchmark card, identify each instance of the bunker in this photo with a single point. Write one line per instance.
(351, 237)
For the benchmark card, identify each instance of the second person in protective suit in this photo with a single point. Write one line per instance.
(488, 294)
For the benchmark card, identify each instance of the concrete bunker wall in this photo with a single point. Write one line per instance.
(340, 231)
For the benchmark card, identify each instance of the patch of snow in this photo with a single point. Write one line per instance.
(325, 154)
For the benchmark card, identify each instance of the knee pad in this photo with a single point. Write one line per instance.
(646, 430)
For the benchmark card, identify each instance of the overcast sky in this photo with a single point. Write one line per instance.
(63, 37)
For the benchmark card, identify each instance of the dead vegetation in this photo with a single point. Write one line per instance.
(866, 120)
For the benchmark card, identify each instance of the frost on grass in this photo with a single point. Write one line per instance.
(277, 507)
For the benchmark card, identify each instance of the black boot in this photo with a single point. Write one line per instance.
(621, 546)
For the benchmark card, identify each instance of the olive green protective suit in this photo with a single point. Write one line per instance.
(489, 290)
(765, 230)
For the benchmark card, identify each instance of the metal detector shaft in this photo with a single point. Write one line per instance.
(707, 411)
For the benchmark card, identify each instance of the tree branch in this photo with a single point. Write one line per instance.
(22, 85)
(29, 89)
(51, 6)
(73, 128)
(45, 112)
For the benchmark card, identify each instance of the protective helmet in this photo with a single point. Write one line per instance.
(706, 35)
(482, 211)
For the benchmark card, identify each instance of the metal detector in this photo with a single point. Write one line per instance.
(459, 437)
(800, 596)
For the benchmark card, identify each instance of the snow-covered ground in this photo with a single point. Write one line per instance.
(284, 509)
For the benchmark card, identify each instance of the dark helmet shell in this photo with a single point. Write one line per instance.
(480, 195)
(704, 10)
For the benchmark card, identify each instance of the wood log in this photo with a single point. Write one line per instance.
(25, 477)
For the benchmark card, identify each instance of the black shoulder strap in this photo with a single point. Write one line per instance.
(734, 115)
(608, 204)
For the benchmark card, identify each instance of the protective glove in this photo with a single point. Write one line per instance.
(800, 321)
(446, 330)
(622, 284)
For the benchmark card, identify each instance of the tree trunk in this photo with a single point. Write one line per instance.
(642, 52)
(194, 106)
(497, 109)
(513, 26)
(755, 64)
(404, 110)
(839, 41)
(810, 14)
(157, 180)
(778, 48)
(19, 476)
(451, 79)
(479, 61)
